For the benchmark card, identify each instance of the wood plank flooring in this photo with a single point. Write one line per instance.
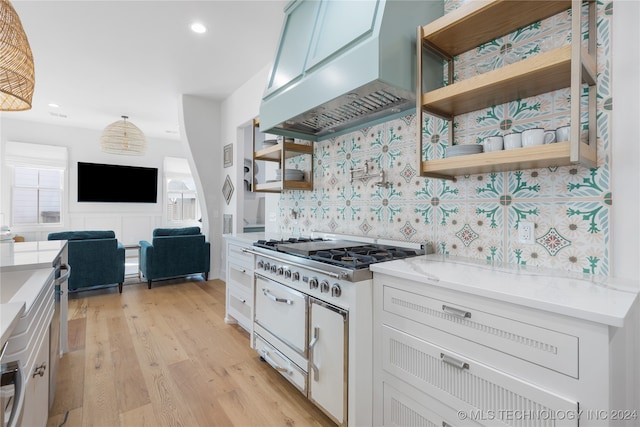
(165, 357)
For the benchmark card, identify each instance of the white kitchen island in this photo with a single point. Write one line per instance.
(463, 342)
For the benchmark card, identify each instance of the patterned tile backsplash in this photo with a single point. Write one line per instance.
(473, 216)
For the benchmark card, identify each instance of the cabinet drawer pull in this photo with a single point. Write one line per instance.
(272, 297)
(39, 370)
(274, 365)
(453, 361)
(456, 312)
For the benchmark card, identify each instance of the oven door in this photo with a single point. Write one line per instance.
(283, 312)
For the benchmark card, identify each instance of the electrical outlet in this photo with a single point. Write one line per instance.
(526, 233)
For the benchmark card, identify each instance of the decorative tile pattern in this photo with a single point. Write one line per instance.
(476, 215)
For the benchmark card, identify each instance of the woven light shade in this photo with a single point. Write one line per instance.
(123, 137)
(17, 77)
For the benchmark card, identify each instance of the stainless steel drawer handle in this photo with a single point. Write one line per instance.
(453, 361)
(274, 365)
(269, 295)
(456, 312)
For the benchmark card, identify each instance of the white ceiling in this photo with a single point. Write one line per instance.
(100, 60)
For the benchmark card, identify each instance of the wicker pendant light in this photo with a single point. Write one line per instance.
(17, 77)
(123, 137)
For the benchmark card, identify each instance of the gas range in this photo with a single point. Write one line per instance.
(341, 259)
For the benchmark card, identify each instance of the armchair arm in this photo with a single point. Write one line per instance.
(146, 255)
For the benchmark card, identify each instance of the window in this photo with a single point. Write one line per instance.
(181, 196)
(37, 195)
(33, 183)
(182, 200)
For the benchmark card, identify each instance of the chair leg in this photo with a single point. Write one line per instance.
(149, 283)
(206, 276)
(120, 287)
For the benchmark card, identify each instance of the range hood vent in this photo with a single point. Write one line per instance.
(351, 111)
(343, 64)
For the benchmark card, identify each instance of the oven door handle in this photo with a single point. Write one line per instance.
(269, 295)
(312, 344)
(308, 267)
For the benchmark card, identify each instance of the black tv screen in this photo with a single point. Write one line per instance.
(117, 184)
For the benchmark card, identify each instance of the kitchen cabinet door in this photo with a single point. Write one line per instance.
(294, 44)
(328, 359)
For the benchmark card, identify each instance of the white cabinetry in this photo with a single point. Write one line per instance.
(448, 358)
(36, 398)
(239, 304)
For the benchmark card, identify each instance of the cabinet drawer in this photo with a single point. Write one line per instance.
(545, 347)
(470, 386)
(239, 307)
(282, 364)
(241, 277)
(420, 409)
(236, 256)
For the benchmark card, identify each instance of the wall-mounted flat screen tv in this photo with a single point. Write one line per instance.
(117, 184)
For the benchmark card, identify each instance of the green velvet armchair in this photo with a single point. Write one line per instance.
(96, 258)
(174, 252)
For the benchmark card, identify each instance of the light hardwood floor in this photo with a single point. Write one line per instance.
(165, 357)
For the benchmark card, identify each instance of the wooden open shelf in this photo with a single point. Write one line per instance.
(536, 157)
(479, 22)
(569, 66)
(539, 74)
(287, 150)
(278, 186)
(278, 154)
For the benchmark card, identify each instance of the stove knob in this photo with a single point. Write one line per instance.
(260, 264)
(324, 286)
(267, 266)
(280, 271)
(274, 268)
(313, 283)
(287, 274)
(336, 291)
(295, 276)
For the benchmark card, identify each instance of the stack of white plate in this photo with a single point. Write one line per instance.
(290, 174)
(462, 150)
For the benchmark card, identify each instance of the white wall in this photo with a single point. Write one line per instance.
(200, 121)
(131, 221)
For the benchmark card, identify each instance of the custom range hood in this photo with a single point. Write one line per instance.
(345, 63)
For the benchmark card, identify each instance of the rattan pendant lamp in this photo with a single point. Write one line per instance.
(123, 137)
(17, 77)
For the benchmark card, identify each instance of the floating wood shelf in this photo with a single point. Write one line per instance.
(539, 74)
(479, 22)
(287, 149)
(536, 157)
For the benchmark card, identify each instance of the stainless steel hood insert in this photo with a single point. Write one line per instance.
(341, 64)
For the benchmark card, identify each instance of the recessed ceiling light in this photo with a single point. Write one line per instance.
(199, 28)
(53, 105)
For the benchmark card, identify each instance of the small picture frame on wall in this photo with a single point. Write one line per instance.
(227, 189)
(228, 155)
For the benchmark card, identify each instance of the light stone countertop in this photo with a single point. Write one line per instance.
(601, 300)
(24, 269)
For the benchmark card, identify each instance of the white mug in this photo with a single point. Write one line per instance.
(512, 140)
(492, 143)
(563, 133)
(537, 136)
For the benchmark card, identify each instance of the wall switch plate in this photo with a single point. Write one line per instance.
(526, 232)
